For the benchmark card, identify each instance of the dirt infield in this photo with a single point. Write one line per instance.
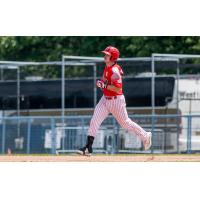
(101, 158)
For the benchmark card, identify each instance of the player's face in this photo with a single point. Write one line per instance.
(106, 58)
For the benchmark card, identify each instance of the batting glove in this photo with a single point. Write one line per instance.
(101, 84)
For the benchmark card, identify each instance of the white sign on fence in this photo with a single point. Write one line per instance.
(48, 138)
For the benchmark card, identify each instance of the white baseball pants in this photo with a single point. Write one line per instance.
(118, 109)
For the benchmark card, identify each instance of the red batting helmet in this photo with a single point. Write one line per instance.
(113, 52)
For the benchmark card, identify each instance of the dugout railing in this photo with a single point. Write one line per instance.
(47, 135)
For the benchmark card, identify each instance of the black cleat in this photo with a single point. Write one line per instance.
(87, 150)
(90, 150)
(81, 151)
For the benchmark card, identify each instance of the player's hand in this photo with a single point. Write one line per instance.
(101, 84)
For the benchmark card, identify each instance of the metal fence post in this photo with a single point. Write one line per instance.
(53, 136)
(153, 132)
(28, 136)
(63, 90)
(189, 136)
(177, 102)
(3, 135)
(177, 136)
(83, 132)
(152, 97)
(190, 141)
(116, 136)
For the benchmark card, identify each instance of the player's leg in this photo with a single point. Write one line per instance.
(120, 113)
(100, 113)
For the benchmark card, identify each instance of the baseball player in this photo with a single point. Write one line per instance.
(112, 101)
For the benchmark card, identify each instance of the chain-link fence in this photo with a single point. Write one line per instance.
(48, 135)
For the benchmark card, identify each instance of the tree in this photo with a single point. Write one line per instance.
(52, 48)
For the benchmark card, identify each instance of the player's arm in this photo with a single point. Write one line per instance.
(116, 84)
(101, 84)
(103, 79)
(116, 79)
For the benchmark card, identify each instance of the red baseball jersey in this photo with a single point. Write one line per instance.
(113, 76)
